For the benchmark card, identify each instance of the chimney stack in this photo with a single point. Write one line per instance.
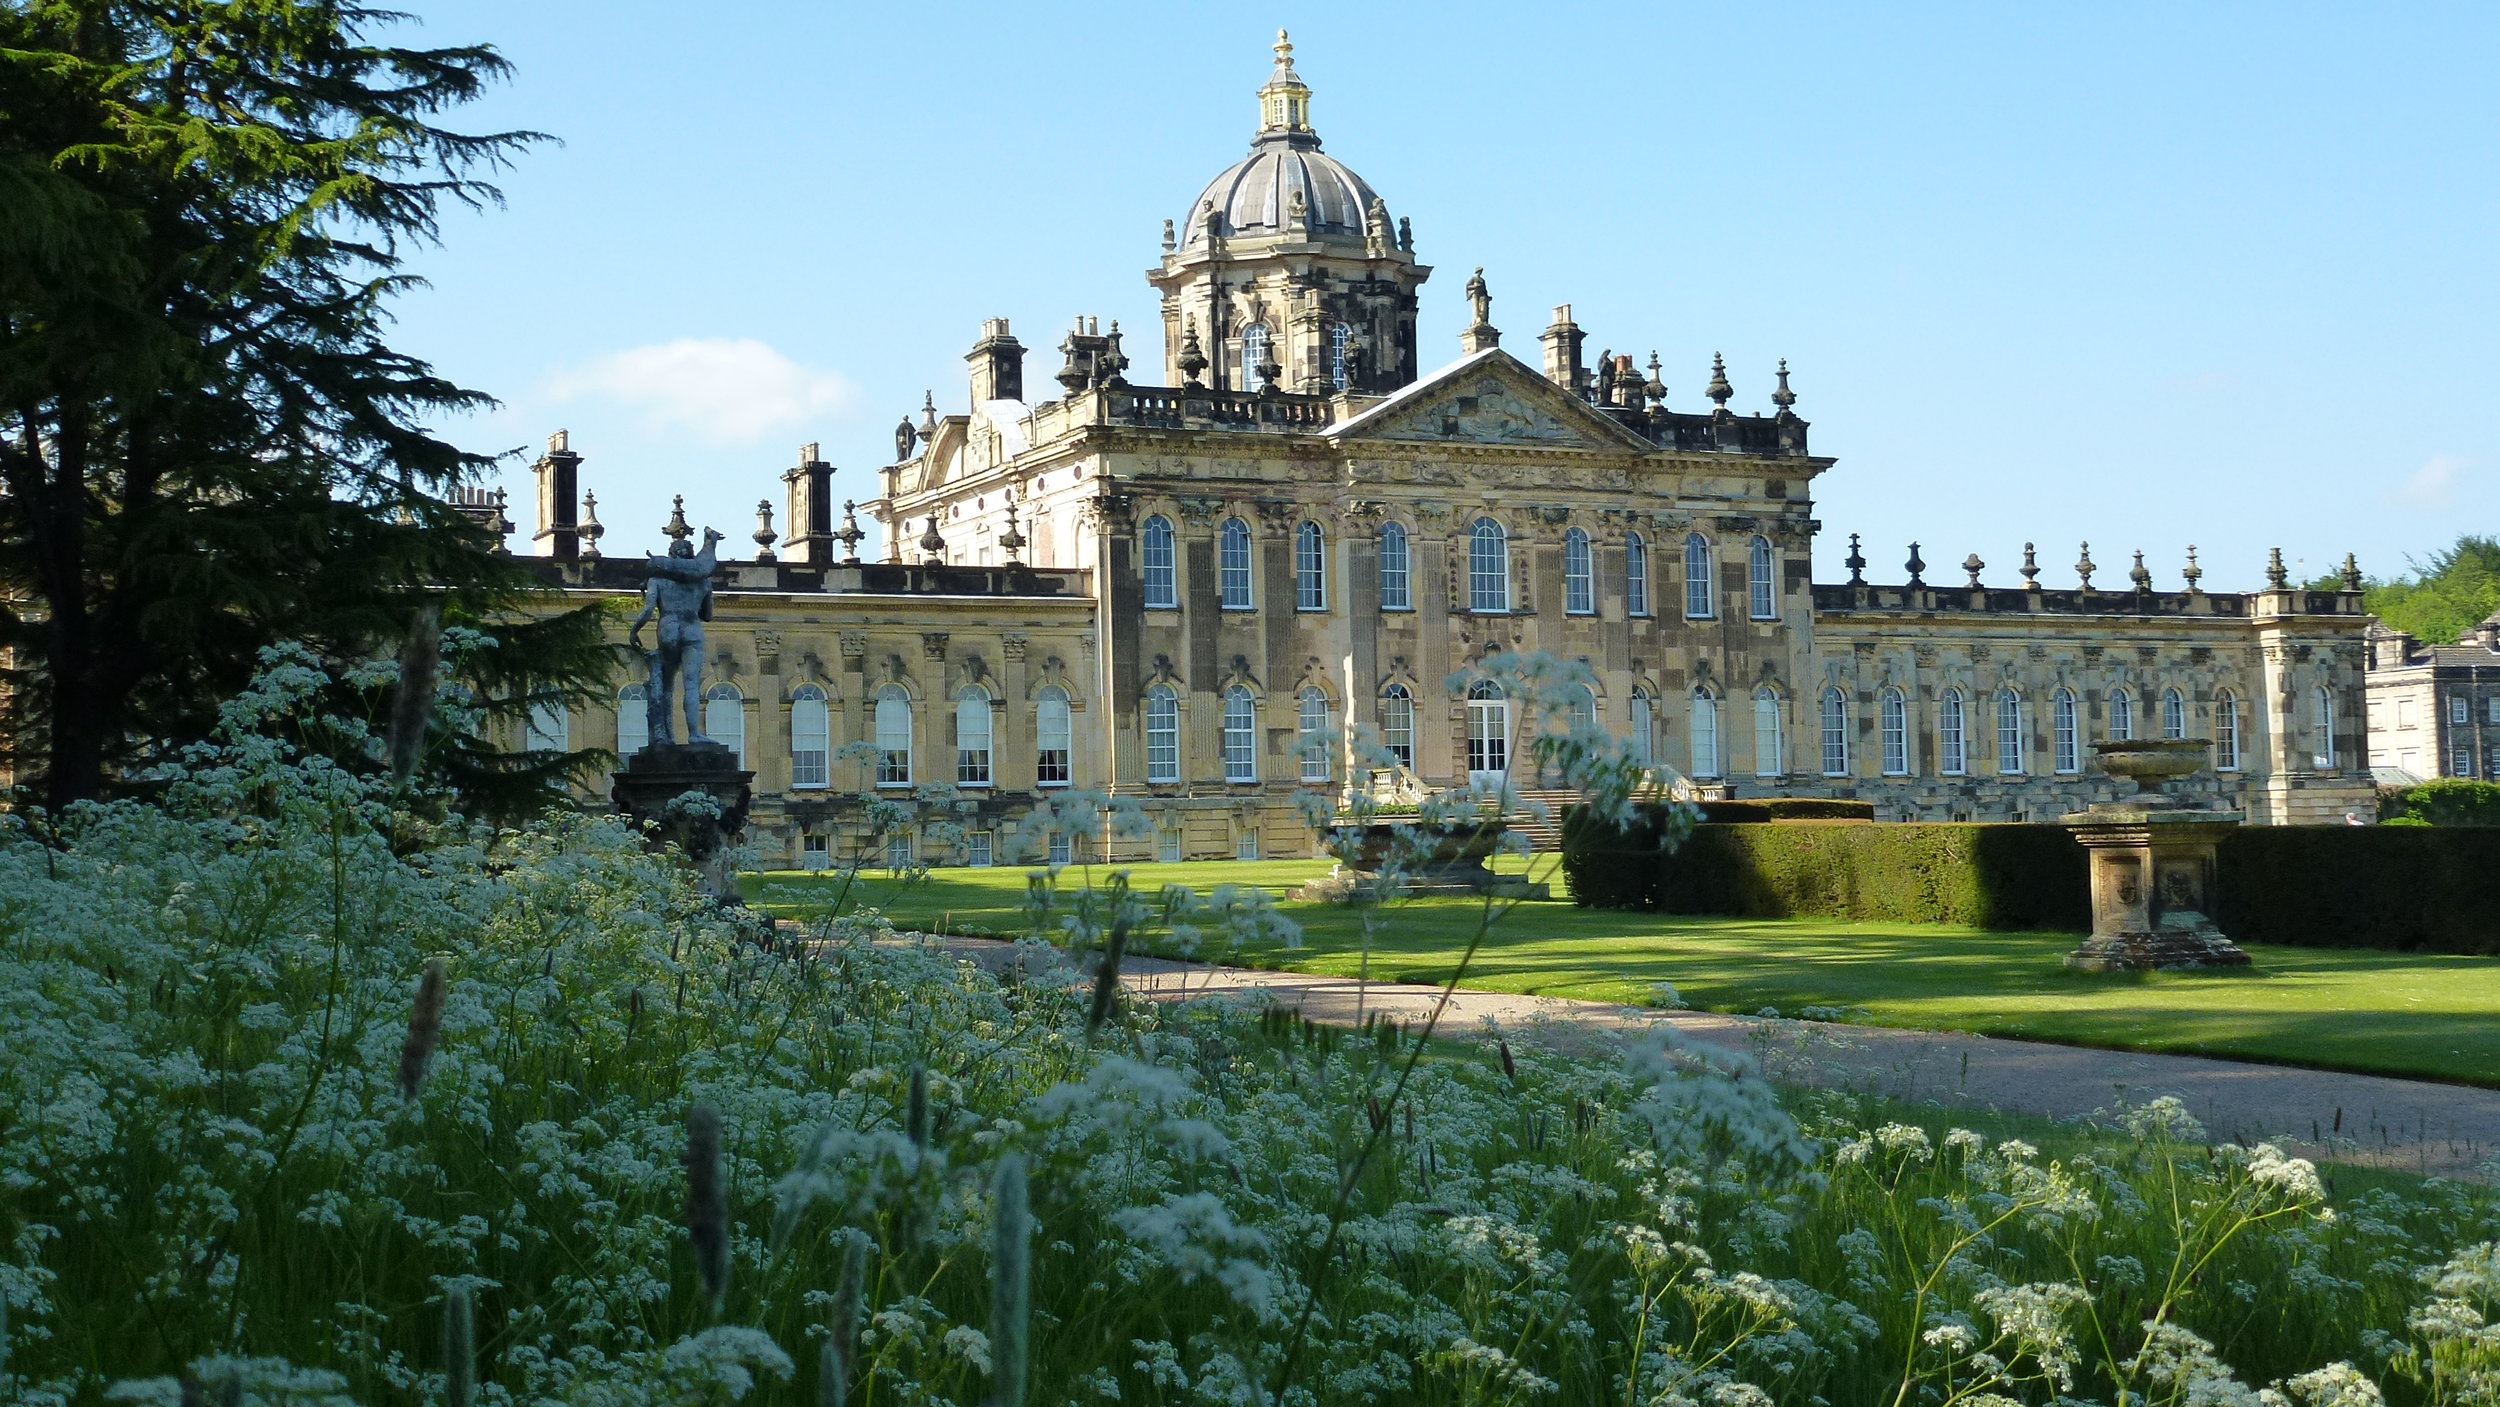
(997, 364)
(1562, 352)
(810, 516)
(559, 473)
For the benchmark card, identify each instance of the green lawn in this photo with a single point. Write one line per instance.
(2341, 1008)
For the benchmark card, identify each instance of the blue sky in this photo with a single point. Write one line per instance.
(2143, 275)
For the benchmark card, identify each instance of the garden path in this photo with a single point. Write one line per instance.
(2376, 1120)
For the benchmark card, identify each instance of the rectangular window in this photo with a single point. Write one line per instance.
(815, 853)
(1232, 559)
(898, 851)
(551, 726)
(1952, 748)
(1246, 845)
(1062, 848)
(2460, 712)
(1396, 575)
(1168, 847)
(2494, 715)
(1697, 603)
(2405, 713)
(2461, 759)
(977, 849)
(1579, 584)
(1310, 569)
(1636, 576)
(2009, 735)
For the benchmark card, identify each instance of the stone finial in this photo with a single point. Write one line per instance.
(678, 530)
(1784, 398)
(2192, 573)
(1193, 358)
(1916, 564)
(591, 528)
(1169, 243)
(2084, 567)
(2351, 573)
(2276, 577)
(928, 415)
(2139, 573)
(1974, 566)
(1654, 388)
(1011, 541)
(850, 534)
(1113, 361)
(1719, 391)
(933, 545)
(1406, 235)
(765, 537)
(1855, 562)
(2030, 568)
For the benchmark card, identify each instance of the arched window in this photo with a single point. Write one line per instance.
(1762, 581)
(1241, 735)
(1310, 569)
(1396, 582)
(1835, 719)
(1952, 736)
(1579, 582)
(2121, 715)
(1770, 749)
(2226, 731)
(1705, 733)
(1054, 738)
(1162, 579)
(972, 737)
(1580, 710)
(1163, 734)
(550, 726)
(2173, 714)
(1253, 356)
(1340, 355)
(1312, 735)
(1232, 564)
(1895, 708)
(2067, 731)
(1397, 724)
(893, 723)
(1636, 574)
(1488, 567)
(2010, 759)
(1644, 729)
(811, 738)
(633, 720)
(725, 719)
(2323, 700)
(1697, 593)
(1488, 733)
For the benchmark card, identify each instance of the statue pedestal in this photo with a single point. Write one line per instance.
(2152, 884)
(691, 795)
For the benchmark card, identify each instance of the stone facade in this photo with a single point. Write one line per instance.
(2435, 709)
(1299, 532)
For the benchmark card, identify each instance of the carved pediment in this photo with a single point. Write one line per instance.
(1492, 399)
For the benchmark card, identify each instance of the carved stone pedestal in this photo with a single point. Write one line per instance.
(2152, 883)
(691, 795)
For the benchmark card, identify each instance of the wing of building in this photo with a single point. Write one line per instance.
(2435, 709)
(1185, 592)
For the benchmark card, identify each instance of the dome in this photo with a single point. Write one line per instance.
(1276, 187)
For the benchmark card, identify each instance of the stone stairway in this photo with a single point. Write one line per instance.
(1544, 834)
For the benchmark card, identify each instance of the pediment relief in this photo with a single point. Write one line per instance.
(1493, 401)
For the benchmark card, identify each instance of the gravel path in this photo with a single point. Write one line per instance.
(2414, 1125)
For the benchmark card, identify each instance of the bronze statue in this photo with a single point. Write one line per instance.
(1479, 300)
(677, 590)
(904, 435)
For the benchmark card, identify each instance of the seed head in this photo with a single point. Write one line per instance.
(425, 1027)
(707, 1202)
(833, 1363)
(412, 703)
(459, 1349)
(1011, 1286)
(916, 1107)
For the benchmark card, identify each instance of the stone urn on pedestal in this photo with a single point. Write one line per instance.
(2152, 864)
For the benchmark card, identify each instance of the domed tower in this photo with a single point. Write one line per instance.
(1289, 260)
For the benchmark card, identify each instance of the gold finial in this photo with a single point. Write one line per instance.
(1284, 50)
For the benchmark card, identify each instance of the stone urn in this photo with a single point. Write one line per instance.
(2152, 864)
(1447, 859)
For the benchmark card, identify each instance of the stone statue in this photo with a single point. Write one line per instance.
(903, 437)
(1480, 301)
(677, 590)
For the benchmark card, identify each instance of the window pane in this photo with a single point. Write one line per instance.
(1241, 736)
(2009, 732)
(1488, 567)
(2122, 715)
(1579, 587)
(1310, 553)
(1705, 736)
(550, 726)
(2173, 714)
(1636, 575)
(1644, 721)
(1835, 734)
(2226, 732)
(725, 719)
(893, 737)
(1760, 583)
(1951, 743)
(811, 733)
(1896, 725)
(1163, 735)
(1053, 738)
(1397, 725)
(633, 720)
(1396, 594)
(1162, 587)
(1233, 564)
(1488, 734)
(2069, 733)
(1311, 720)
(1697, 577)
(1253, 356)
(1769, 748)
(972, 737)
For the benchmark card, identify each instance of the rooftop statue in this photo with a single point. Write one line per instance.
(678, 590)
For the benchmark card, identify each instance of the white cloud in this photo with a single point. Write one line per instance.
(730, 390)
(2435, 484)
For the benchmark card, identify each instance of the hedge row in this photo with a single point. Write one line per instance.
(2410, 888)
(1987, 876)
(2415, 888)
(1786, 808)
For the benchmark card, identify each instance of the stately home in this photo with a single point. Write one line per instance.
(1185, 592)
(2435, 709)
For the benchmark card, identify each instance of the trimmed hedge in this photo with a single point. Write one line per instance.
(2418, 888)
(1785, 808)
(1987, 876)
